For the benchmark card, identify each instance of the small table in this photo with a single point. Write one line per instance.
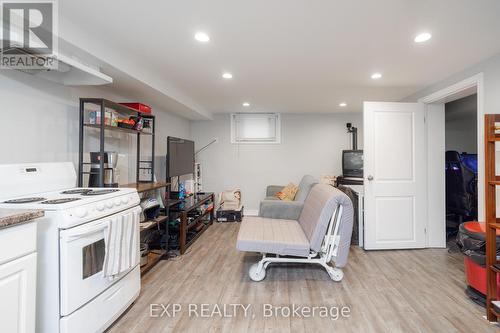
(186, 206)
(360, 191)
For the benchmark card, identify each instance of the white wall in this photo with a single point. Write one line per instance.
(40, 123)
(461, 124)
(489, 102)
(311, 144)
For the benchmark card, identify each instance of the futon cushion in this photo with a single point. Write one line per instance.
(305, 186)
(277, 236)
(319, 207)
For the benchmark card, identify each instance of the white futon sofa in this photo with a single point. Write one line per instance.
(321, 235)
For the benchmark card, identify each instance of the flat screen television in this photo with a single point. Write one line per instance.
(180, 157)
(352, 163)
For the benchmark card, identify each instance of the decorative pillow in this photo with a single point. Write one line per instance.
(288, 192)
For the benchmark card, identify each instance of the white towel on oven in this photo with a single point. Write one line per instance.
(121, 243)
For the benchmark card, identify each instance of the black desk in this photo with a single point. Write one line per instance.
(186, 206)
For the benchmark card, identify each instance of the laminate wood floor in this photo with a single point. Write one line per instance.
(386, 291)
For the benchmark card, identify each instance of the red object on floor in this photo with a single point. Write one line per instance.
(478, 227)
(143, 108)
(476, 273)
(476, 276)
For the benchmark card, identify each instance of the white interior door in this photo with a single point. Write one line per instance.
(394, 175)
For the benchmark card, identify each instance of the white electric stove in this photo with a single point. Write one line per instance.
(72, 294)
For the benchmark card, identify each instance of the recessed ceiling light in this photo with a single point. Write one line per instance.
(227, 75)
(246, 104)
(343, 104)
(376, 76)
(201, 37)
(423, 37)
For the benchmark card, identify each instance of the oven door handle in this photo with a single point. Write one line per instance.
(85, 232)
(96, 226)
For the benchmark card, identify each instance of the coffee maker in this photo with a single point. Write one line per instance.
(110, 171)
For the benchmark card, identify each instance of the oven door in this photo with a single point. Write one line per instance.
(82, 252)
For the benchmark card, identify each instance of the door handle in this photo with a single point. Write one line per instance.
(370, 177)
(85, 233)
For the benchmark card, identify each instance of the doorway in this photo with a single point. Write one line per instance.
(404, 164)
(460, 163)
(436, 152)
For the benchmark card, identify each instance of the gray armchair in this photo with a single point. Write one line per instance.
(272, 207)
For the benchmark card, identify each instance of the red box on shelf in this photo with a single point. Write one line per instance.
(143, 108)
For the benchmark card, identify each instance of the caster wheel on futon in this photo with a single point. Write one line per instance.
(336, 274)
(256, 274)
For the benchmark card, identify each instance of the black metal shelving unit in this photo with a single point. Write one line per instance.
(102, 105)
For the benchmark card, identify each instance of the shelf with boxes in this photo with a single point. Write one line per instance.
(99, 171)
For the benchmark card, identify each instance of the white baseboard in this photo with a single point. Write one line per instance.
(251, 212)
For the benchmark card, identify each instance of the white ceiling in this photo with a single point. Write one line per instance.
(286, 55)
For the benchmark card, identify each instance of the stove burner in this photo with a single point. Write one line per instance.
(24, 200)
(58, 201)
(77, 191)
(99, 192)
